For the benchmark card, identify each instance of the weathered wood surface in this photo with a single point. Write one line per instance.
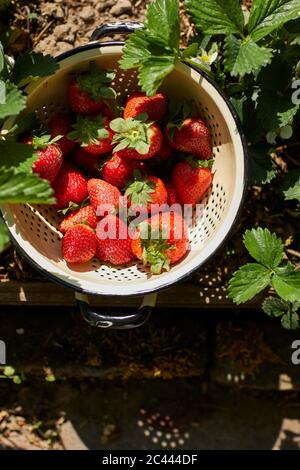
(185, 295)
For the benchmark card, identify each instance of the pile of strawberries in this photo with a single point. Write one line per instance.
(99, 156)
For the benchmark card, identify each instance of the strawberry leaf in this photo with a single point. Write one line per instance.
(271, 76)
(216, 16)
(275, 110)
(275, 307)
(13, 153)
(136, 50)
(286, 282)
(238, 104)
(262, 167)
(162, 23)
(25, 124)
(14, 101)
(290, 321)
(32, 65)
(153, 72)
(154, 50)
(244, 56)
(247, 282)
(17, 186)
(268, 15)
(265, 247)
(291, 185)
(4, 237)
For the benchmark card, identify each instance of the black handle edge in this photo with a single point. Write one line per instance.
(116, 322)
(121, 27)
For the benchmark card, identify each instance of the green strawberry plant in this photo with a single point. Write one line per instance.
(253, 55)
(17, 182)
(270, 270)
(254, 59)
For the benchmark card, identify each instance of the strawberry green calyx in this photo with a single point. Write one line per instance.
(71, 207)
(95, 83)
(178, 112)
(155, 244)
(196, 163)
(134, 133)
(139, 190)
(42, 142)
(88, 130)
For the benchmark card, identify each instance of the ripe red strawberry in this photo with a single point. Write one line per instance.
(136, 138)
(70, 185)
(114, 242)
(85, 215)
(86, 160)
(93, 134)
(101, 192)
(144, 191)
(61, 124)
(118, 170)
(79, 244)
(191, 136)
(139, 103)
(49, 157)
(191, 181)
(161, 241)
(88, 92)
(172, 194)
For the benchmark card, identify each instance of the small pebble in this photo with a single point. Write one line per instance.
(121, 7)
(87, 13)
(105, 4)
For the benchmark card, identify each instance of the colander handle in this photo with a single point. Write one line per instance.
(120, 27)
(116, 322)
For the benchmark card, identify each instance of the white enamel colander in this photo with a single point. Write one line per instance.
(34, 229)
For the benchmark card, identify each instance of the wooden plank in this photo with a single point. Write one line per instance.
(185, 295)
